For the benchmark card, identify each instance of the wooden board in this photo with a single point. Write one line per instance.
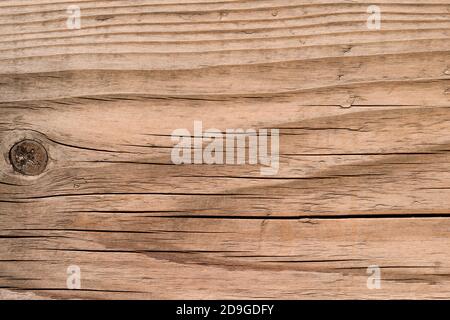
(364, 174)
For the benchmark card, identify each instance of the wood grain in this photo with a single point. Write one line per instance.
(364, 179)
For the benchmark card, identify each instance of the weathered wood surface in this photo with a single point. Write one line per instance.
(364, 119)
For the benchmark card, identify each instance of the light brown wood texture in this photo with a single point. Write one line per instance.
(364, 120)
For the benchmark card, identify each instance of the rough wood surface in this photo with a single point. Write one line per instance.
(364, 119)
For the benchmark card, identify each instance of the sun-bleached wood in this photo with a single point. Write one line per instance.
(364, 120)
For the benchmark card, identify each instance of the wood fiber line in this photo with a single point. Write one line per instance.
(363, 117)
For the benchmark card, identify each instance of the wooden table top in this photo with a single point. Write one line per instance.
(93, 206)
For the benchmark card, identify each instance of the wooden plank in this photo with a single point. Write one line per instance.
(134, 256)
(363, 117)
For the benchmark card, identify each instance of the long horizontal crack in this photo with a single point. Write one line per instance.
(312, 217)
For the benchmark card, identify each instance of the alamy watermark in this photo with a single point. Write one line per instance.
(230, 147)
(374, 279)
(374, 19)
(73, 277)
(74, 17)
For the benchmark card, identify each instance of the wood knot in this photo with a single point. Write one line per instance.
(28, 157)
